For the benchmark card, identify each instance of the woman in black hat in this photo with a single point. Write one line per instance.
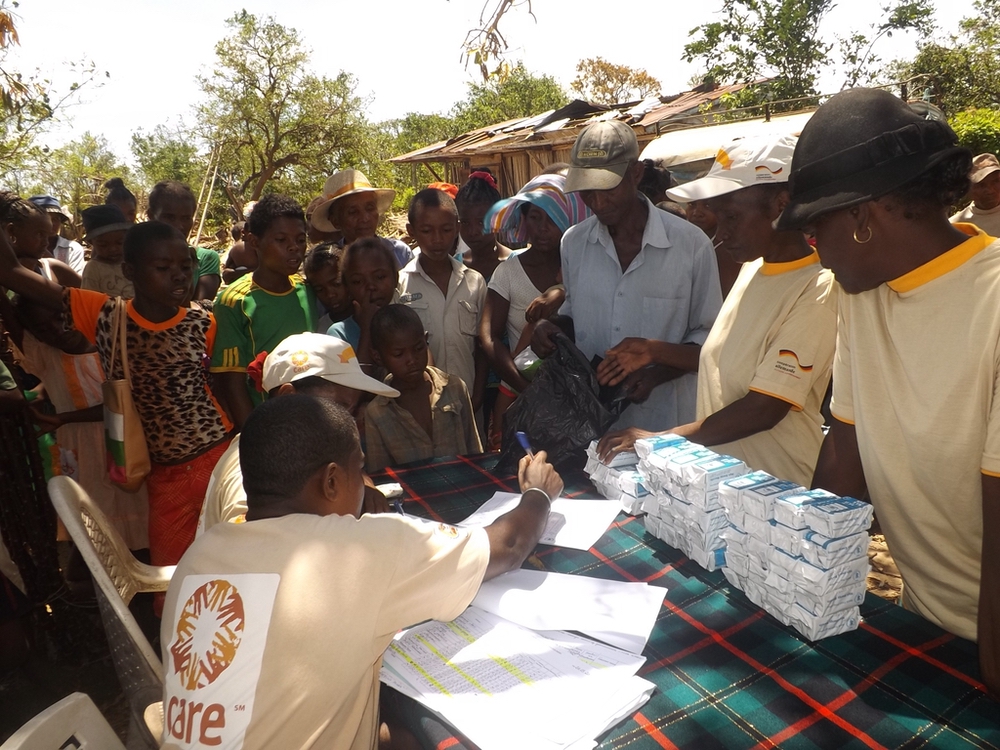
(918, 353)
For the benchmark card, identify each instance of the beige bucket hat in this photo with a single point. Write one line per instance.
(340, 185)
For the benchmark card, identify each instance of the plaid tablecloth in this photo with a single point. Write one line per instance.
(730, 676)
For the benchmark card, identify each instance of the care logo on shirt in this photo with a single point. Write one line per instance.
(214, 660)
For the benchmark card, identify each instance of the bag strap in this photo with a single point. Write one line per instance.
(119, 328)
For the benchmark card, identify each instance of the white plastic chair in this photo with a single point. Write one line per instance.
(118, 577)
(73, 722)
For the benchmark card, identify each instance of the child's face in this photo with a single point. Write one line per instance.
(30, 235)
(543, 234)
(177, 211)
(328, 284)
(435, 230)
(405, 356)
(472, 227)
(369, 278)
(50, 328)
(108, 247)
(165, 274)
(281, 249)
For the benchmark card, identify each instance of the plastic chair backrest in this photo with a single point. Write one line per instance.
(72, 723)
(138, 667)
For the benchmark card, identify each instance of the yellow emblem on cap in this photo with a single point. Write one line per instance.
(299, 360)
(347, 355)
(723, 158)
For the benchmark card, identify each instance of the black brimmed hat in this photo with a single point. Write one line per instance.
(860, 145)
(98, 220)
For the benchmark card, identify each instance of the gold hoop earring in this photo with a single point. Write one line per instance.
(866, 240)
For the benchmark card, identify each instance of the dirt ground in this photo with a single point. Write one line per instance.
(883, 579)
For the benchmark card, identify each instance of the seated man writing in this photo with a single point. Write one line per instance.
(273, 630)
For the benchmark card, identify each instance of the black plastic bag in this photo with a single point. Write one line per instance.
(561, 412)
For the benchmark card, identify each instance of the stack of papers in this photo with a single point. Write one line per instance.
(800, 554)
(505, 686)
(572, 523)
(618, 479)
(683, 508)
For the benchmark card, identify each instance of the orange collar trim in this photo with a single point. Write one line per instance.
(149, 325)
(946, 262)
(773, 269)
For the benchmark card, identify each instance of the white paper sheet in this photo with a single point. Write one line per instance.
(572, 523)
(480, 670)
(619, 613)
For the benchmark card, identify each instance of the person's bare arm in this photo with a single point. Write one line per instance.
(491, 331)
(546, 304)
(755, 412)
(12, 401)
(543, 339)
(632, 354)
(207, 286)
(482, 370)
(988, 629)
(32, 285)
(839, 468)
(515, 534)
(232, 391)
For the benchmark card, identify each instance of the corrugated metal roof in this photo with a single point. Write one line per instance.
(560, 127)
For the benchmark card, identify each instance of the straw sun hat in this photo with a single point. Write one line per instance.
(340, 185)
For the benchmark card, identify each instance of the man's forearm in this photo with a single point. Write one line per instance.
(515, 534)
(755, 412)
(839, 469)
(683, 357)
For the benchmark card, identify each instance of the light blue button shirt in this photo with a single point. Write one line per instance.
(670, 292)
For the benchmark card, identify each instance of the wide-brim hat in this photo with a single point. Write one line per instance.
(859, 146)
(98, 220)
(306, 355)
(340, 185)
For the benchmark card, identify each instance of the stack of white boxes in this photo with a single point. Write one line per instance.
(618, 479)
(800, 554)
(683, 507)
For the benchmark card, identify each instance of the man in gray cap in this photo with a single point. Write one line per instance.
(60, 248)
(984, 211)
(642, 285)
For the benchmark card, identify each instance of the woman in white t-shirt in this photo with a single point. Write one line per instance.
(539, 214)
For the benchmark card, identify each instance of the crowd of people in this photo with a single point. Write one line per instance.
(269, 386)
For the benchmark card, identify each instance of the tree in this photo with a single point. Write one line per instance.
(978, 130)
(76, 172)
(964, 71)
(28, 103)
(165, 154)
(485, 44)
(516, 94)
(602, 82)
(780, 40)
(273, 121)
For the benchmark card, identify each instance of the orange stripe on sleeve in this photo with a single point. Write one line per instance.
(795, 406)
(989, 473)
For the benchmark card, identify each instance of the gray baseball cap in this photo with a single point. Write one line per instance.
(601, 155)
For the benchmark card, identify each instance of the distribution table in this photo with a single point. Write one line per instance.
(730, 676)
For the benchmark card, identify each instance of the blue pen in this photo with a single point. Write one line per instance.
(523, 440)
(398, 506)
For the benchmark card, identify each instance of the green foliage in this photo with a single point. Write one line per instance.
(756, 39)
(277, 124)
(978, 130)
(603, 82)
(76, 172)
(165, 154)
(857, 49)
(517, 94)
(965, 71)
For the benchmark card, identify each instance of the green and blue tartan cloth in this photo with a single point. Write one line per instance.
(728, 675)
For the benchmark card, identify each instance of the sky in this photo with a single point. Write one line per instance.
(405, 54)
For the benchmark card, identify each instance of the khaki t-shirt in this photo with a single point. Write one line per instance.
(916, 373)
(225, 499)
(273, 630)
(776, 335)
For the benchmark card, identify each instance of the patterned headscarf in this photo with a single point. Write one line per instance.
(544, 191)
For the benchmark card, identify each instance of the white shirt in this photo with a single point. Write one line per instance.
(70, 253)
(987, 219)
(670, 292)
(452, 321)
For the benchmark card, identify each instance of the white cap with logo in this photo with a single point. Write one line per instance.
(741, 164)
(306, 355)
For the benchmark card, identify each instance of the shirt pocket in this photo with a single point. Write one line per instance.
(662, 318)
(468, 318)
(422, 309)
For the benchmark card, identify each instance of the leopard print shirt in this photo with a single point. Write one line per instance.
(170, 387)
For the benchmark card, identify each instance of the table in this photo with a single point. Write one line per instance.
(730, 676)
